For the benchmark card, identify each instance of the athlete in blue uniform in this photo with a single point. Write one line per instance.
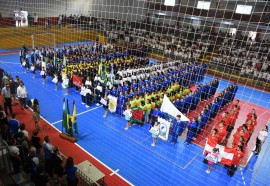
(177, 129)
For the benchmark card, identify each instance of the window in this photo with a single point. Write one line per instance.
(243, 9)
(203, 5)
(169, 3)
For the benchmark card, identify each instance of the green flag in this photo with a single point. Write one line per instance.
(64, 120)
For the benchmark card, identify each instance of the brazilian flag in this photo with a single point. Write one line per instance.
(73, 119)
(66, 118)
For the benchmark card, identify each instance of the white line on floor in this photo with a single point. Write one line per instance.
(77, 114)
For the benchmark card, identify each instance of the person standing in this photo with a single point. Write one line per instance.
(105, 105)
(48, 150)
(14, 125)
(192, 129)
(43, 75)
(71, 173)
(35, 19)
(14, 155)
(36, 141)
(177, 129)
(6, 93)
(155, 133)
(22, 95)
(36, 113)
(238, 155)
(57, 161)
(212, 158)
(128, 115)
(260, 140)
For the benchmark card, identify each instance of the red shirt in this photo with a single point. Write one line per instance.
(238, 155)
(233, 118)
(222, 132)
(238, 107)
(250, 128)
(212, 141)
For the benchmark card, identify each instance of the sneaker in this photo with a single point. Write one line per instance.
(104, 116)
(86, 106)
(126, 128)
(43, 83)
(152, 144)
(83, 103)
(207, 171)
(97, 104)
(256, 154)
(188, 144)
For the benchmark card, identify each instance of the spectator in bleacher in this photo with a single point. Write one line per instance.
(36, 141)
(41, 177)
(23, 146)
(71, 172)
(14, 125)
(22, 95)
(34, 163)
(22, 129)
(48, 150)
(14, 155)
(6, 94)
(13, 89)
(260, 140)
(57, 162)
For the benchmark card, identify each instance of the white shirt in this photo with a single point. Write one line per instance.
(262, 135)
(88, 83)
(13, 150)
(25, 133)
(21, 92)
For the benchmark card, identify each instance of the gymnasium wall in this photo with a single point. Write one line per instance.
(46, 8)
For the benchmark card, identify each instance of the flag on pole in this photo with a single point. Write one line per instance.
(74, 119)
(111, 75)
(168, 107)
(100, 68)
(69, 128)
(64, 120)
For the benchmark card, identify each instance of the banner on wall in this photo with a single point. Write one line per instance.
(77, 80)
(21, 18)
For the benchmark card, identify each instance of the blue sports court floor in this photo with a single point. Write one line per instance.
(131, 151)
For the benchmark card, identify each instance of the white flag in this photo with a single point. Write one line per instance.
(168, 107)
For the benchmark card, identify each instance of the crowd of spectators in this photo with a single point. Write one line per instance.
(27, 151)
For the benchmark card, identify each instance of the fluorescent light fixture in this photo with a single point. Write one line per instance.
(243, 9)
(195, 18)
(160, 13)
(169, 3)
(205, 5)
(227, 23)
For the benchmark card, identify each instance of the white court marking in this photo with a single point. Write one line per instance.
(77, 114)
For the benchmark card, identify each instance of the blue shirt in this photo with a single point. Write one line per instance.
(70, 173)
(14, 126)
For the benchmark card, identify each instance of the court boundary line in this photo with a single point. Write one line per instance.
(53, 123)
(153, 151)
(99, 161)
